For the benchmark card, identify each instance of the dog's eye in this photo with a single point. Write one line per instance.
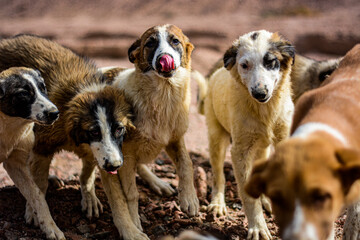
(22, 93)
(175, 41)
(119, 132)
(95, 133)
(319, 198)
(244, 66)
(151, 43)
(42, 87)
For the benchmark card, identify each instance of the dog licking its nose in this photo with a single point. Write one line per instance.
(167, 63)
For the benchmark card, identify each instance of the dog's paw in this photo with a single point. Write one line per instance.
(30, 216)
(266, 203)
(189, 203)
(135, 235)
(161, 187)
(352, 224)
(217, 205)
(259, 231)
(53, 233)
(90, 204)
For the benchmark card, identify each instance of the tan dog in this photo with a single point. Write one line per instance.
(249, 102)
(94, 117)
(159, 90)
(23, 101)
(311, 176)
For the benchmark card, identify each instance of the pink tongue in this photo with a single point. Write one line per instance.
(113, 172)
(167, 63)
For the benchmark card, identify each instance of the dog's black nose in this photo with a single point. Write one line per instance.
(53, 114)
(261, 96)
(110, 168)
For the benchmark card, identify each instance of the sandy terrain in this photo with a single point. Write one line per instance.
(103, 30)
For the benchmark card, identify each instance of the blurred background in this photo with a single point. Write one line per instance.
(104, 29)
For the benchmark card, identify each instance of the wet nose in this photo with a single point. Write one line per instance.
(53, 114)
(111, 167)
(260, 95)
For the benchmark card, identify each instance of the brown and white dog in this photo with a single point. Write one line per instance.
(159, 90)
(23, 101)
(249, 102)
(312, 176)
(94, 116)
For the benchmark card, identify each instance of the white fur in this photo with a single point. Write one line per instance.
(106, 148)
(165, 47)
(41, 103)
(305, 130)
(299, 228)
(252, 53)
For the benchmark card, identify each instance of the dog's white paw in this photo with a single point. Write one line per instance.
(161, 187)
(53, 233)
(30, 216)
(91, 204)
(134, 235)
(189, 203)
(352, 224)
(259, 231)
(266, 203)
(218, 205)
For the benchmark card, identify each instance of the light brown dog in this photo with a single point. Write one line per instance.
(94, 117)
(248, 101)
(312, 175)
(23, 101)
(159, 90)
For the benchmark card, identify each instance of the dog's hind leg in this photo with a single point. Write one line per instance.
(119, 207)
(189, 202)
(219, 140)
(156, 184)
(352, 224)
(89, 201)
(19, 172)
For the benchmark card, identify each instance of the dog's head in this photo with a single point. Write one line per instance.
(99, 117)
(162, 50)
(260, 60)
(308, 182)
(23, 94)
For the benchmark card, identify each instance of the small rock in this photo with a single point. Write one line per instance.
(236, 206)
(159, 162)
(83, 229)
(160, 213)
(92, 226)
(101, 235)
(6, 225)
(158, 230)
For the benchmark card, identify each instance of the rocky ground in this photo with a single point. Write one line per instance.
(103, 30)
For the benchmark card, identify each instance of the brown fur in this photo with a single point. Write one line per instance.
(74, 84)
(16, 142)
(161, 107)
(318, 170)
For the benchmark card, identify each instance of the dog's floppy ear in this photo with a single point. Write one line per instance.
(188, 50)
(134, 51)
(286, 49)
(230, 57)
(77, 134)
(256, 184)
(349, 170)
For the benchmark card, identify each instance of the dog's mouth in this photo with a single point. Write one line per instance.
(165, 65)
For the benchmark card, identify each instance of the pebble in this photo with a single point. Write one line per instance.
(6, 225)
(83, 229)
(159, 162)
(101, 235)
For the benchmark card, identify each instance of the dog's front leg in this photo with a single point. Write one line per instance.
(156, 184)
(189, 202)
(19, 171)
(89, 202)
(119, 207)
(352, 224)
(243, 153)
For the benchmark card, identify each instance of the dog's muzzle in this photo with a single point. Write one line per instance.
(165, 64)
(260, 95)
(110, 168)
(49, 117)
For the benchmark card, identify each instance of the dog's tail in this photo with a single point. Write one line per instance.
(202, 90)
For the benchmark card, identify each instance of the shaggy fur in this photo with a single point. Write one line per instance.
(23, 89)
(306, 74)
(160, 96)
(249, 102)
(313, 175)
(93, 115)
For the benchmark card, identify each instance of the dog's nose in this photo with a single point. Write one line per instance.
(110, 167)
(261, 96)
(53, 114)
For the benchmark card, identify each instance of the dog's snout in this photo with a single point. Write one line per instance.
(110, 167)
(260, 95)
(53, 114)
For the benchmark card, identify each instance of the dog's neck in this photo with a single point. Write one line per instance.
(12, 131)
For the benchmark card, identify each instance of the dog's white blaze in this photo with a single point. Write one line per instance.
(41, 104)
(165, 47)
(299, 228)
(252, 53)
(106, 148)
(305, 130)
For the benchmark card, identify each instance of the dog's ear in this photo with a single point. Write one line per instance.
(349, 170)
(134, 51)
(188, 50)
(77, 134)
(286, 49)
(256, 184)
(230, 57)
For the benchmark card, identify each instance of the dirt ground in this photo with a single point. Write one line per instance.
(103, 30)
